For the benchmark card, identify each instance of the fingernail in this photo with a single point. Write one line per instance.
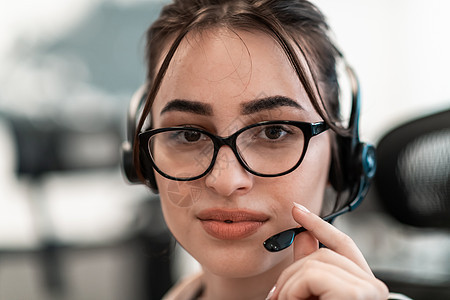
(272, 291)
(301, 207)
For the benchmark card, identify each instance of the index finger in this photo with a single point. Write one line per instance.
(328, 235)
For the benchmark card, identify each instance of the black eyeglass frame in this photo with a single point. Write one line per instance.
(309, 130)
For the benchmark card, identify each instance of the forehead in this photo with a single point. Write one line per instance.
(221, 66)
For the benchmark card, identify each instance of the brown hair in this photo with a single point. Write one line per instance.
(294, 24)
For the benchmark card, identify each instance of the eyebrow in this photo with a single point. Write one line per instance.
(183, 105)
(268, 103)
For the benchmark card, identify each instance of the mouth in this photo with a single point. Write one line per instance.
(231, 224)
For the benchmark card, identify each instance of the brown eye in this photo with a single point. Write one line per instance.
(274, 132)
(192, 136)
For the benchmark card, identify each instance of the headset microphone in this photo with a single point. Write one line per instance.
(285, 238)
(360, 163)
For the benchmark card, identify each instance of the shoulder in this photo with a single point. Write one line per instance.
(185, 289)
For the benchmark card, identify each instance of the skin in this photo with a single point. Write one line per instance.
(222, 71)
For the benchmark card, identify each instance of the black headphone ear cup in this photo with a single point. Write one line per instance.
(350, 162)
(128, 163)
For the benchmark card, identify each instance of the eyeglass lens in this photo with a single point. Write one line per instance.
(266, 149)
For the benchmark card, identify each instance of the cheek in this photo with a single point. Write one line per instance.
(175, 203)
(306, 185)
(314, 172)
(181, 194)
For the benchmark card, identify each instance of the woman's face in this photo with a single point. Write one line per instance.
(224, 78)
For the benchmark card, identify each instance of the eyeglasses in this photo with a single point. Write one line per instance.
(267, 149)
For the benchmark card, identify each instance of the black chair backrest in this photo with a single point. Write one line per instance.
(45, 145)
(413, 172)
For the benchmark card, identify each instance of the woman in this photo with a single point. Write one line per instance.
(263, 73)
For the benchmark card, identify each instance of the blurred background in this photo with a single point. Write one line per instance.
(71, 228)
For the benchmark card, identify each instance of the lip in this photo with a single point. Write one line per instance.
(226, 224)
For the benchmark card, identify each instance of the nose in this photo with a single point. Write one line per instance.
(228, 176)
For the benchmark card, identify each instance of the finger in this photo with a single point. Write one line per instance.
(328, 256)
(322, 258)
(329, 235)
(328, 282)
(304, 245)
(316, 279)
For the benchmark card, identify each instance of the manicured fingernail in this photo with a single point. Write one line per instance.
(301, 207)
(272, 291)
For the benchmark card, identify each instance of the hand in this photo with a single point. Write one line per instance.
(336, 272)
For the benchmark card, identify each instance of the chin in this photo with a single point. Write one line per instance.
(237, 261)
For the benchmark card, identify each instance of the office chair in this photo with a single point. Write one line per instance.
(413, 173)
(413, 186)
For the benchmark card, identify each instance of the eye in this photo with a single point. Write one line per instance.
(273, 132)
(187, 137)
(192, 136)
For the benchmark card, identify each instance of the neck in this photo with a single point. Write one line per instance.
(255, 287)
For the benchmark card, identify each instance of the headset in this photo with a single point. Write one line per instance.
(128, 168)
(358, 161)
